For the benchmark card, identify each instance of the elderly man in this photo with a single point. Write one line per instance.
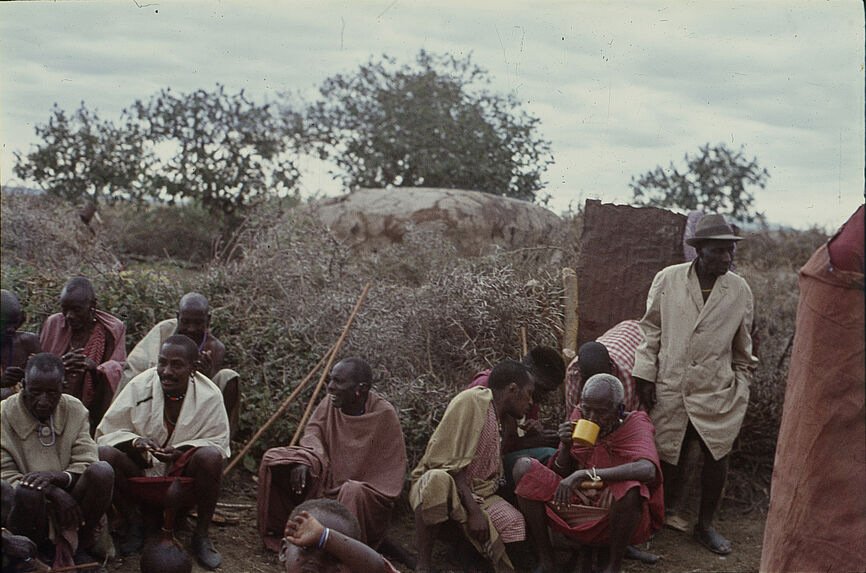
(15, 346)
(55, 491)
(168, 421)
(193, 320)
(352, 450)
(611, 353)
(627, 508)
(92, 344)
(457, 479)
(693, 368)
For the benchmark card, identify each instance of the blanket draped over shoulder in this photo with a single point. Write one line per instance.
(451, 449)
(357, 460)
(817, 515)
(137, 411)
(632, 441)
(56, 336)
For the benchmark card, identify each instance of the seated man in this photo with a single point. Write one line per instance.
(457, 479)
(193, 319)
(15, 346)
(92, 344)
(322, 536)
(352, 450)
(55, 489)
(612, 353)
(527, 437)
(168, 421)
(629, 506)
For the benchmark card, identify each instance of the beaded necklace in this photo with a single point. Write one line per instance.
(44, 431)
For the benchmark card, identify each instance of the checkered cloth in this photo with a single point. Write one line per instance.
(621, 342)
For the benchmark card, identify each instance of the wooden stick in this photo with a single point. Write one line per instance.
(75, 567)
(327, 369)
(523, 340)
(279, 411)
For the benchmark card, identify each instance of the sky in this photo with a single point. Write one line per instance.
(619, 87)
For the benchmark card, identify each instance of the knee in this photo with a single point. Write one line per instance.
(28, 500)
(521, 466)
(208, 459)
(630, 503)
(110, 455)
(351, 489)
(99, 474)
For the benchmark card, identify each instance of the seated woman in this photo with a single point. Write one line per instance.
(322, 535)
(627, 508)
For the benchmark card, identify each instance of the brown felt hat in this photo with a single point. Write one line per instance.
(712, 227)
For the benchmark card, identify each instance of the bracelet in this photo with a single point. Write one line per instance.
(68, 483)
(557, 464)
(324, 539)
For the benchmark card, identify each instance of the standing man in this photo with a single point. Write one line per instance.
(168, 421)
(693, 368)
(92, 344)
(192, 320)
(16, 346)
(457, 479)
(54, 488)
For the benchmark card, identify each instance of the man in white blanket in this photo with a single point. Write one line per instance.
(193, 320)
(169, 422)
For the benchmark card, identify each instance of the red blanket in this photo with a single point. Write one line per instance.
(632, 441)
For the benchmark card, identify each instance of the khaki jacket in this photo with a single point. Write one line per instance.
(73, 449)
(699, 356)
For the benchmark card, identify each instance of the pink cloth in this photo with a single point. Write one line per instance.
(56, 335)
(358, 460)
(621, 342)
(817, 515)
(632, 441)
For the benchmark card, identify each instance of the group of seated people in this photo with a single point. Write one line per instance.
(91, 427)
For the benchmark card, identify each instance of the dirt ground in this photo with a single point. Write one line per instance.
(243, 552)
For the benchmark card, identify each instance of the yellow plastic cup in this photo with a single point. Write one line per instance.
(585, 433)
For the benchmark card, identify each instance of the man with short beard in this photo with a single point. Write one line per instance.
(168, 421)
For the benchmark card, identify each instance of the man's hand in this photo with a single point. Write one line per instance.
(75, 361)
(566, 488)
(531, 427)
(18, 546)
(44, 480)
(542, 439)
(304, 530)
(68, 512)
(205, 363)
(168, 455)
(564, 431)
(11, 376)
(142, 445)
(477, 525)
(298, 480)
(646, 393)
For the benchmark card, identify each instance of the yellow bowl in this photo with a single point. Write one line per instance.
(585, 433)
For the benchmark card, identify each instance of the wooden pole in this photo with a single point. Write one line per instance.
(523, 340)
(276, 414)
(327, 369)
(570, 319)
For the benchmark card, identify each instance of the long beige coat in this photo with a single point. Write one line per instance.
(699, 356)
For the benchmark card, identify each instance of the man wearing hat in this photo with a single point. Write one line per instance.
(693, 368)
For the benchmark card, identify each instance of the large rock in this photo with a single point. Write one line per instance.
(621, 250)
(471, 220)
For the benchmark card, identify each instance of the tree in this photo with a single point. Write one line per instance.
(715, 180)
(429, 124)
(82, 156)
(223, 150)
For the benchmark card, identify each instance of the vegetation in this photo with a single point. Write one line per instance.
(715, 180)
(431, 124)
(284, 290)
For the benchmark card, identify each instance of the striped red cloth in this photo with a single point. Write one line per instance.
(621, 342)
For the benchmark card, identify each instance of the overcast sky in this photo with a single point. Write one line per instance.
(620, 87)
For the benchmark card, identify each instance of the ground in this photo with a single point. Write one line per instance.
(243, 551)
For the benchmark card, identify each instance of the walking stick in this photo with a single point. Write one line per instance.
(327, 369)
(523, 340)
(279, 411)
